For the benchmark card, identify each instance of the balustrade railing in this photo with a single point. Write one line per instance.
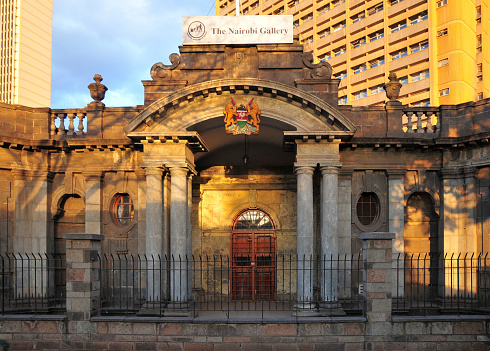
(421, 120)
(68, 123)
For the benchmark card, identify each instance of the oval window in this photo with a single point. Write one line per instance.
(123, 210)
(367, 208)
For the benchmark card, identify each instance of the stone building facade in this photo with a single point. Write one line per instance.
(165, 178)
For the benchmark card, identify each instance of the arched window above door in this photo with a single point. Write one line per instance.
(253, 219)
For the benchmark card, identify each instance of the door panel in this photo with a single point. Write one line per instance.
(253, 266)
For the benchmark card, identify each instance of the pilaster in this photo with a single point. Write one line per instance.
(450, 210)
(470, 202)
(345, 211)
(93, 201)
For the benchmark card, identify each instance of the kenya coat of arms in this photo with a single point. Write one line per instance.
(242, 119)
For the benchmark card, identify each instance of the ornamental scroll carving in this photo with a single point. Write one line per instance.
(161, 71)
(321, 70)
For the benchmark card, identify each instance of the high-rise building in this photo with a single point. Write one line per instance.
(439, 49)
(25, 76)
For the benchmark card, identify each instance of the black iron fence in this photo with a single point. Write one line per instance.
(219, 286)
(442, 284)
(32, 283)
(223, 287)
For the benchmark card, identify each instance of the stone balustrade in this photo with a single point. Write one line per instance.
(68, 122)
(417, 120)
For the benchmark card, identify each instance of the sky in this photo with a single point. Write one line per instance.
(118, 39)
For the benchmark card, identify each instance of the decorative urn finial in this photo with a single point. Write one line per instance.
(393, 87)
(97, 90)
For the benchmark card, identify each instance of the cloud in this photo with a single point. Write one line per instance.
(118, 39)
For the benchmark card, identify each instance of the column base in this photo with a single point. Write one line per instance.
(330, 308)
(305, 309)
(151, 308)
(180, 309)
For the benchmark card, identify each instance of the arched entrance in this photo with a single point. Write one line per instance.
(253, 257)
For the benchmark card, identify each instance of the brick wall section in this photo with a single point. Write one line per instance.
(408, 334)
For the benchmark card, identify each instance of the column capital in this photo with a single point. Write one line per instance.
(304, 170)
(176, 171)
(95, 175)
(158, 171)
(470, 172)
(40, 175)
(332, 168)
(448, 173)
(140, 173)
(346, 173)
(395, 173)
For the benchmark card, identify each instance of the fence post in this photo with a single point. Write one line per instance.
(82, 275)
(377, 257)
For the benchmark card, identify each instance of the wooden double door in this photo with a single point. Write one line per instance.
(253, 266)
(253, 262)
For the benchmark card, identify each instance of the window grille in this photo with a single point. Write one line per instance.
(123, 210)
(367, 208)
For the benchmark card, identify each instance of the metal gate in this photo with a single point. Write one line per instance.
(253, 257)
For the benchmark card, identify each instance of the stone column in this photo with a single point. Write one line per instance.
(93, 202)
(82, 277)
(377, 257)
(154, 234)
(189, 234)
(329, 235)
(305, 236)
(178, 235)
(396, 221)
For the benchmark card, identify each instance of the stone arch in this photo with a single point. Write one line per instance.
(434, 196)
(180, 110)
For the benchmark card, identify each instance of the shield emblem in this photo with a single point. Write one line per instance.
(242, 119)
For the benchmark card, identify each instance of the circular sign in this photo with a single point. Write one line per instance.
(196, 30)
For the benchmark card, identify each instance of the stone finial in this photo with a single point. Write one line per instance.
(393, 87)
(97, 90)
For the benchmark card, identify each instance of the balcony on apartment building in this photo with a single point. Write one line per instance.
(403, 5)
(407, 32)
(367, 21)
(409, 60)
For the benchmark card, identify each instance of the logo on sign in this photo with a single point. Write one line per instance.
(196, 30)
